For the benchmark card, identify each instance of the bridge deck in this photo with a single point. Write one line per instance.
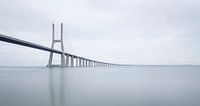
(33, 45)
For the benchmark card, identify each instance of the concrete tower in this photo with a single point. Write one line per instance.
(52, 46)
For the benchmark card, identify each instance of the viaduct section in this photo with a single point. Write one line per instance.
(67, 59)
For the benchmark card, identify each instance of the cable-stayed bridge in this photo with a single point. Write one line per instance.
(67, 59)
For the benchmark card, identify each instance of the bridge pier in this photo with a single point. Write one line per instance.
(83, 60)
(83, 64)
(72, 61)
(86, 61)
(95, 64)
(90, 62)
(77, 62)
(67, 60)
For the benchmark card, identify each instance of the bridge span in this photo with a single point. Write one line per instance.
(67, 59)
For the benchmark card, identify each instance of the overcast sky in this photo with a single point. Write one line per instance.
(118, 31)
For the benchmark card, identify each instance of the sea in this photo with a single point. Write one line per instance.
(140, 85)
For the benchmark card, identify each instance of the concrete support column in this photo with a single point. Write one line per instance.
(77, 62)
(90, 63)
(67, 60)
(85, 63)
(95, 63)
(80, 62)
(72, 61)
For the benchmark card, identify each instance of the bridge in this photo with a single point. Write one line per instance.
(67, 59)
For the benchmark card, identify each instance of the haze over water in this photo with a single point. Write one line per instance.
(100, 86)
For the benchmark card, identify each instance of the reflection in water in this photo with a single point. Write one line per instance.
(98, 86)
(57, 87)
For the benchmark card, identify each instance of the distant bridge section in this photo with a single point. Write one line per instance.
(71, 60)
(67, 59)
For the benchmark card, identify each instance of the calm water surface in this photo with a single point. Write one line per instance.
(100, 86)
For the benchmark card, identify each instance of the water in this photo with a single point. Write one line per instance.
(100, 86)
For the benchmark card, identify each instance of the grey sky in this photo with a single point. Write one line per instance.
(119, 31)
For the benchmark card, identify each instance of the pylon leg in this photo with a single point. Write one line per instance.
(63, 63)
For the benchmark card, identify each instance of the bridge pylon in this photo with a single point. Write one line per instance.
(63, 63)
